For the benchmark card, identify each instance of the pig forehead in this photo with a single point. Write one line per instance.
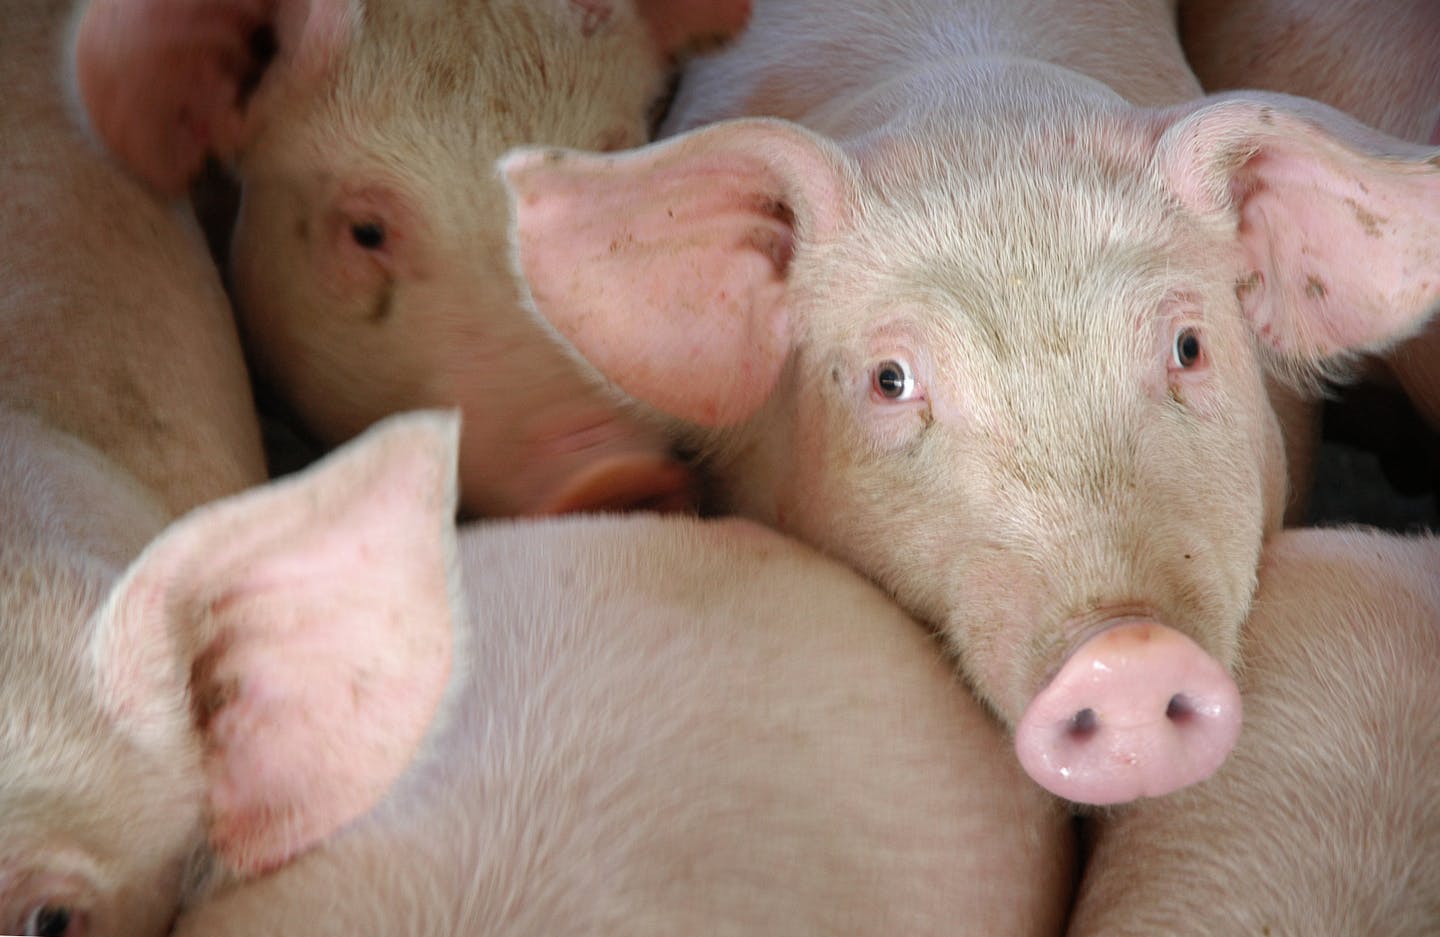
(523, 68)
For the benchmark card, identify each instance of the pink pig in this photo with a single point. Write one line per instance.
(1326, 819)
(993, 323)
(1377, 62)
(369, 260)
(664, 726)
(123, 403)
(250, 682)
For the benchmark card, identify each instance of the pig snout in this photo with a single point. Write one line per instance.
(1138, 710)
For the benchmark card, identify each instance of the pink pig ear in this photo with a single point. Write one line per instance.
(683, 24)
(668, 267)
(1338, 224)
(165, 82)
(304, 629)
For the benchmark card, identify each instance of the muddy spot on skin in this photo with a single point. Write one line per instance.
(384, 305)
(1314, 288)
(1246, 285)
(1368, 220)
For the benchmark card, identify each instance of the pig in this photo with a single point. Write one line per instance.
(981, 298)
(1326, 818)
(172, 689)
(665, 725)
(368, 260)
(1378, 63)
(124, 402)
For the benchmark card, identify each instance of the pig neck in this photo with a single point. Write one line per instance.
(113, 325)
(1130, 46)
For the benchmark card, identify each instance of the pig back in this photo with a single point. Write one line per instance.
(1326, 818)
(113, 323)
(680, 727)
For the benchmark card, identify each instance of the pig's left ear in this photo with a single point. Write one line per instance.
(680, 25)
(1338, 225)
(166, 82)
(304, 630)
(669, 267)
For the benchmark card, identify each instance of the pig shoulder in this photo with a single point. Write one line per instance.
(670, 726)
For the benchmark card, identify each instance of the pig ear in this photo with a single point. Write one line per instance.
(166, 82)
(1338, 225)
(679, 25)
(669, 267)
(304, 629)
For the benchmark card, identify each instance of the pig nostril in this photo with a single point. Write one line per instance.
(1083, 724)
(1179, 709)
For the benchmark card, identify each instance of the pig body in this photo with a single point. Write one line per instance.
(995, 326)
(369, 257)
(1378, 63)
(669, 726)
(123, 402)
(1326, 818)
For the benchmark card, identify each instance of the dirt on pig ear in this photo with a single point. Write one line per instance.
(1337, 226)
(300, 634)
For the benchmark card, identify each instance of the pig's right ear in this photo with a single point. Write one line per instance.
(669, 267)
(166, 82)
(303, 632)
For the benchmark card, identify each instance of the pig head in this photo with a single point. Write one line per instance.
(247, 682)
(369, 256)
(1006, 353)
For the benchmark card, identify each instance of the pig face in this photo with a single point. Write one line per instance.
(369, 259)
(1019, 384)
(254, 680)
(85, 848)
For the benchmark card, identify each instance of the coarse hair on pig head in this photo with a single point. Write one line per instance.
(369, 256)
(1013, 368)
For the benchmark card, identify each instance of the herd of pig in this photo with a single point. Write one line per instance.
(1007, 335)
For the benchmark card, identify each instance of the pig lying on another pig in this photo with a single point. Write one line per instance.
(1326, 818)
(369, 259)
(666, 726)
(994, 326)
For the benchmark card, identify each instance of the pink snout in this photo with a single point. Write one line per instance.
(1139, 710)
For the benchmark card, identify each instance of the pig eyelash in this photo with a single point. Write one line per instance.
(893, 381)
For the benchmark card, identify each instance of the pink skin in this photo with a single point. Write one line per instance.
(369, 259)
(1139, 710)
(691, 727)
(246, 685)
(926, 333)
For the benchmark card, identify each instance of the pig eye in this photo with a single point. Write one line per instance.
(368, 234)
(1187, 350)
(892, 380)
(52, 920)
